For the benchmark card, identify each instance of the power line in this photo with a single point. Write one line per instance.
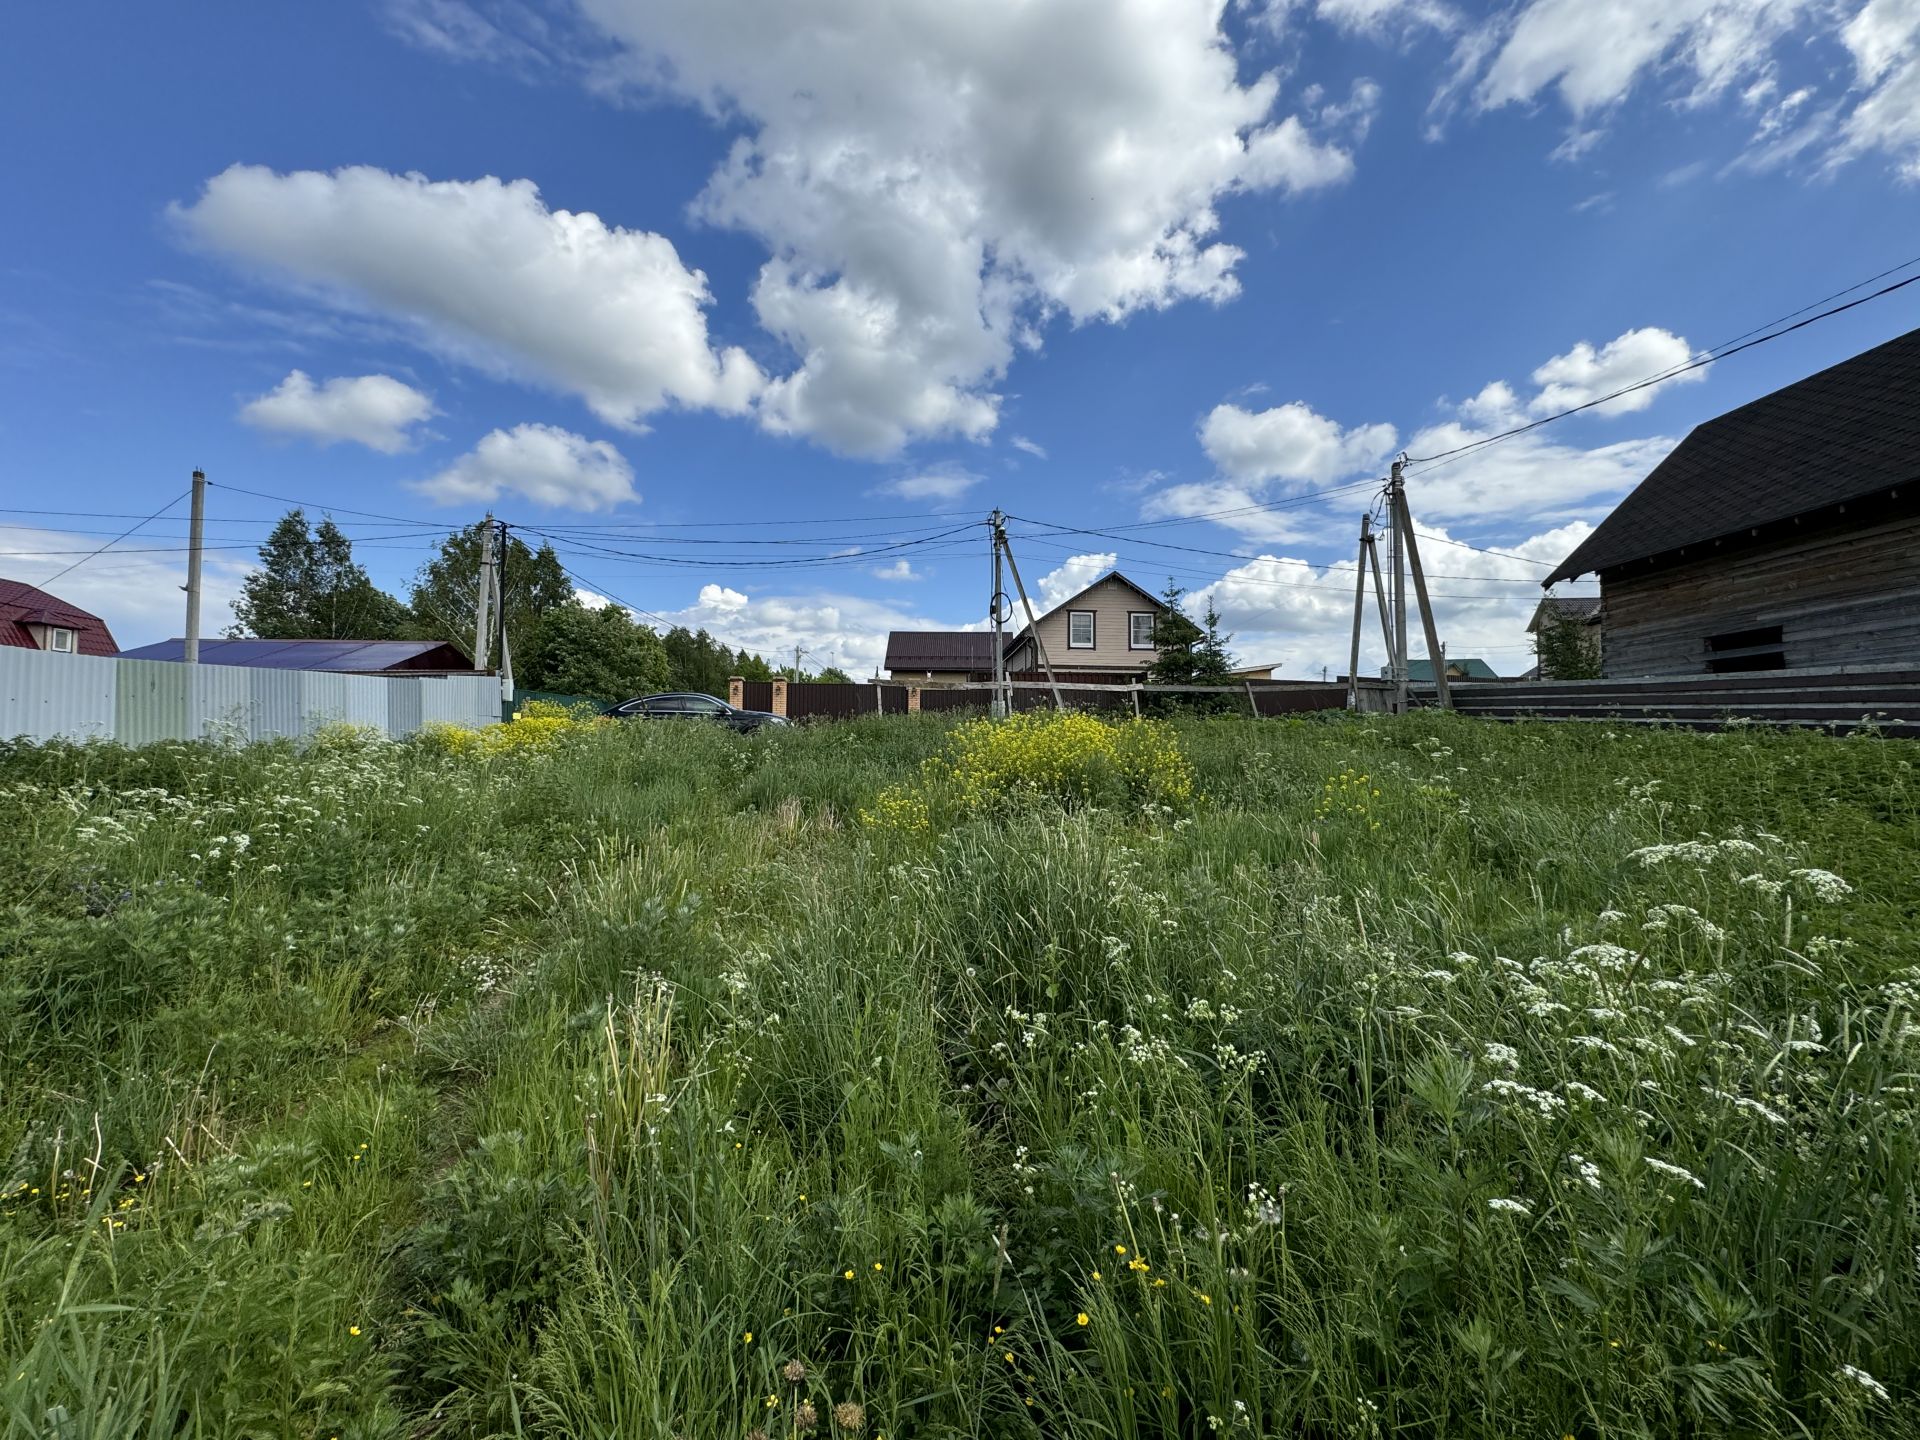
(1345, 590)
(1232, 555)
(117, 539)
(326, 508)
(795, 562)
(1707, 358)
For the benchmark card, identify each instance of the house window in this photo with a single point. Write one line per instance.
(1140, 629)
(1080, 629)
(1758, 649)
(60, 639)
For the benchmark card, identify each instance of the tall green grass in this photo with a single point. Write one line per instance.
(1425, 1077)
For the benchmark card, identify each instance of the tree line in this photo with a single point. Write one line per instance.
(309, 587)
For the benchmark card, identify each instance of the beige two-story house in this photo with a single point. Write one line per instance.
(1106, 629)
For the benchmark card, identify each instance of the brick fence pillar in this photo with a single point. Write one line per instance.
(736, 691)
(913, 699)
(779, 697)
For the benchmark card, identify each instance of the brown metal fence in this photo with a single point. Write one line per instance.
(756, 695)
(932, 699)
(828, 700)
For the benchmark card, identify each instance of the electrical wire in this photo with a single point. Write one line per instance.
(1244, 559)
(796, 562)
(1697, 362)
(116, 540)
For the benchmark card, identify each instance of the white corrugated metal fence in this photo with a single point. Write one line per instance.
(46, 696)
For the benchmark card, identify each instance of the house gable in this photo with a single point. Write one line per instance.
(1092, 629)
(31, 619)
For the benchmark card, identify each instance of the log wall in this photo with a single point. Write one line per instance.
(1844, 593)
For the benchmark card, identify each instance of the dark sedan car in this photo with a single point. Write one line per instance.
(689, 705)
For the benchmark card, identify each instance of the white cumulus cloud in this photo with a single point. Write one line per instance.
(376, 411)
(937, 482)
(1064, 581)
(1299, 613)
(1585, 373)
(541, 463)
(486, 273)
(1884, 38)
(1593, 53)
(933, 181)
(849, 631)
(1291, 443)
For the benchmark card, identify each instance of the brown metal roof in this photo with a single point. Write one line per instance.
(22, 605)
(1850, 431)
(940, 650)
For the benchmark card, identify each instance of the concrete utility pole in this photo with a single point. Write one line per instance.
(1397, 564)
(1436, 652)
(482, 627)
(996, 608)
(1360, 607)
(500, 611)
(196, 543)
(1033, 625)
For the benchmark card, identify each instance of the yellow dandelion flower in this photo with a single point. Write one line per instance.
(1081, 1319)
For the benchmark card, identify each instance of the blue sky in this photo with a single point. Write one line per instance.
(660, 267)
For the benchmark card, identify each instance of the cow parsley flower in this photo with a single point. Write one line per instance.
(1824, 884)
(1505, 1206)
(1677, 1172)
(1865, 1381)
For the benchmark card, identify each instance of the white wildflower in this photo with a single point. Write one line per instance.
(1588, 1172)
(1865, 1381)
(1505, 1206)
(1677, 1172)
(1824, 884)
(1505, 1056)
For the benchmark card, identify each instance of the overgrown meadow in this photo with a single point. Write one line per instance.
(1325, 1078)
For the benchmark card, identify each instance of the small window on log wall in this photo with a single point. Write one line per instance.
(1758, 649)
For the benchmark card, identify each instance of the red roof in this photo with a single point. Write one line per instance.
(22, 605)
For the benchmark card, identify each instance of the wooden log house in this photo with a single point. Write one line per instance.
(1782, 535)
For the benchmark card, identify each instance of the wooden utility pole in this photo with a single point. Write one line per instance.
(196, 543)
(1033, 624)
(1436, 653)
(482, 626)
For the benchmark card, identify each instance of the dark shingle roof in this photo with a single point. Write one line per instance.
(1849, 431)
(350, 657)
(940, 650)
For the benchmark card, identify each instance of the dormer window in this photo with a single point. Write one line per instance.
(59, 638)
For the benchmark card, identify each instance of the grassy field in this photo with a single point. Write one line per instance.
(1319, 1078)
